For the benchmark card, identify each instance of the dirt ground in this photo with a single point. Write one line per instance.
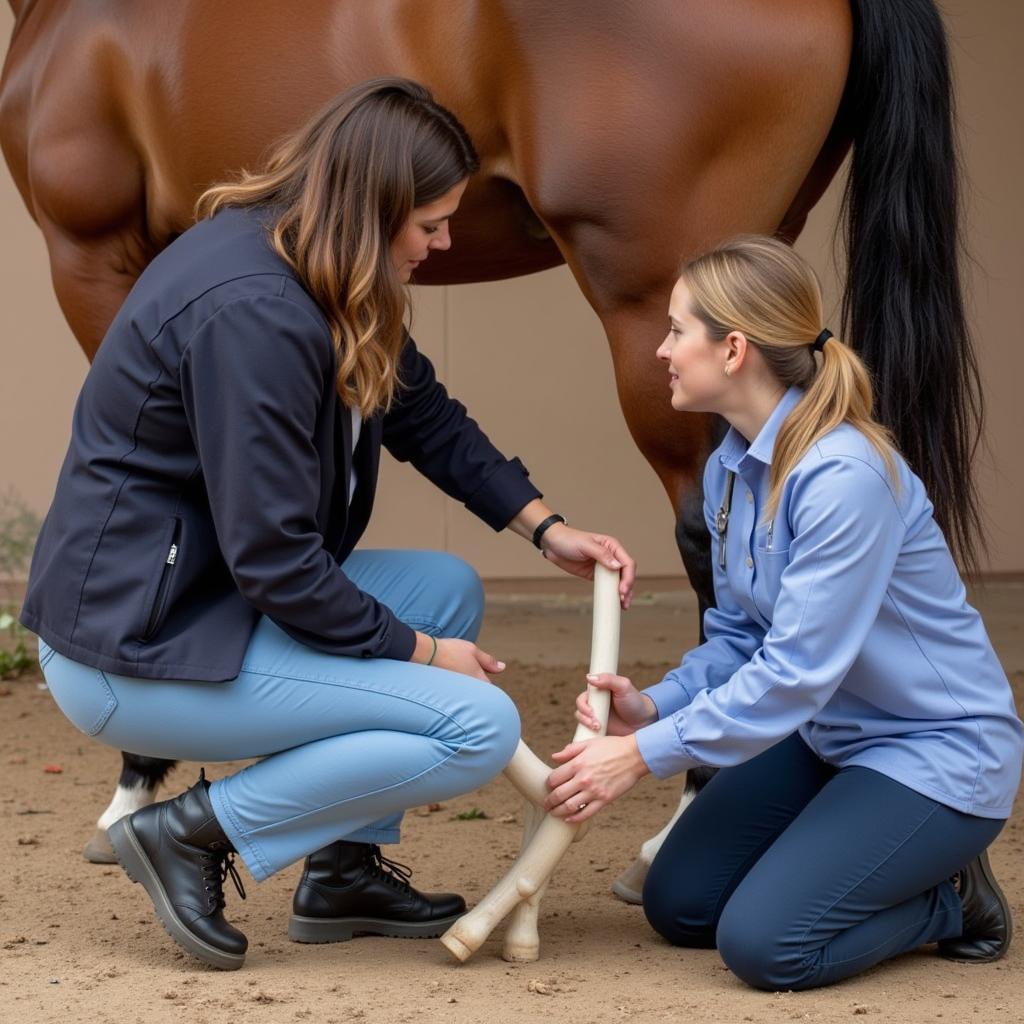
(78, 942)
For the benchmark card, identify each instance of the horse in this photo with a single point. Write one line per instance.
(615, 138)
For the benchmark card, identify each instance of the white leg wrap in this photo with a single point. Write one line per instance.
(126, 801)
(546, 838)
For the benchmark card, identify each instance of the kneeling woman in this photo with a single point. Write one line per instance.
(865, 730)
(195, 588)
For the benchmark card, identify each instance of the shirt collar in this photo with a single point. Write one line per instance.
(735, 452)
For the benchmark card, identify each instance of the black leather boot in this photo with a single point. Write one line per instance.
(178, 851)
(988, 926)
(349, 889)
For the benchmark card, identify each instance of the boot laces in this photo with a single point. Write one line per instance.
(218, 865)
(391, 871)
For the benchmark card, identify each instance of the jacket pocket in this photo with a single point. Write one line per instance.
(169, 551)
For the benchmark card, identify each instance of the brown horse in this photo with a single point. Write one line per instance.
(614, 137)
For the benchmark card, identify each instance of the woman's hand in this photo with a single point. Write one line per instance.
(594, 773)
(576, 551)
(630, 709)
(457, 656)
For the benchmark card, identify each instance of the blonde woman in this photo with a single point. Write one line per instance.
(866, 734)
(195, 588)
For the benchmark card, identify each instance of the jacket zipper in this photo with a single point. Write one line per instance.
(165, 580)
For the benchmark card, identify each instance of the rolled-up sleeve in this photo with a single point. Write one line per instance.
(253, 377)
(433, 431)
(847, 535)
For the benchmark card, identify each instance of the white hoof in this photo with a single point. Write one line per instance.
(629, 886)
(98, 850)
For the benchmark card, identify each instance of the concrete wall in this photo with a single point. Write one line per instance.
(536, 337)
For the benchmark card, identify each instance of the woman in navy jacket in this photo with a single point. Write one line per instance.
(865, 729)
(195, 588)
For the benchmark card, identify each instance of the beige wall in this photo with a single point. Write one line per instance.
(536, 338)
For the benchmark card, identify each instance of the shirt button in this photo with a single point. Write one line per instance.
(750, 497)
(750, 563)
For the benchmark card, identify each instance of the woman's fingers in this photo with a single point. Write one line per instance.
(567, 753)
(603, 549)
(488, 662)
(568, 791)
(579, 816)
(607, 681)
(618, 558)
(588, 720)
(466, 658)
(576, 551)
(627, 577)
(585, 713)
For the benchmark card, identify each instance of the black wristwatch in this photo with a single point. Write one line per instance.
(543, 525)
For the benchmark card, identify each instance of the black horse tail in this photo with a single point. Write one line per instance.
(903, 309)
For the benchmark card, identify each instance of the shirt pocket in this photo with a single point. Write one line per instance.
(769, 566)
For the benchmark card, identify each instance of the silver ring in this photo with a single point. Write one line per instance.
(579, 807)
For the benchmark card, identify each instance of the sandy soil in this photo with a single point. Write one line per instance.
(79, 943)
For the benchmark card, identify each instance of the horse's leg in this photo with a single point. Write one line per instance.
(625, 247)
(136, 788)
(91, 280)
(629, 886)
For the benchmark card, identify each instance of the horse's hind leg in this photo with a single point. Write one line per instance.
(136, 788)
(676, 445)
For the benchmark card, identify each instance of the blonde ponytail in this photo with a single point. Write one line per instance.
(762, 288)
(839, 392)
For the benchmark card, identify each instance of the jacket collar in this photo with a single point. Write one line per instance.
(736, 454)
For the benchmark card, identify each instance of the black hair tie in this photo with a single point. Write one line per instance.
(819, 342)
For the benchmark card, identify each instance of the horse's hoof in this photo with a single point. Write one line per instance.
(98, 850)
(630, 884)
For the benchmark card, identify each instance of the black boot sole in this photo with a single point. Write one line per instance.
(341, 929)
(957, 950)
(138, 867)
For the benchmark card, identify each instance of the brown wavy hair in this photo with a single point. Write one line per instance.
(342, 187)
(761, 287)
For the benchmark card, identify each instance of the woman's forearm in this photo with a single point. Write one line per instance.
(425, 647)
(528, 518)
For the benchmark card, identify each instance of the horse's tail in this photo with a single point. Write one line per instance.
(903, 308)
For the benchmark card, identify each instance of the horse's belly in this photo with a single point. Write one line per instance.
(495, 235)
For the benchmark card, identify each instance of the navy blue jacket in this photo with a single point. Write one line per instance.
(207, 475)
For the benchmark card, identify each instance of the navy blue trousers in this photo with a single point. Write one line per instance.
(802, 874)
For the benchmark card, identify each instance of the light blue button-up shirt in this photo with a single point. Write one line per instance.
(844, 618)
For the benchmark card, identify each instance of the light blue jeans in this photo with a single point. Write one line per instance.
(347, 743)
